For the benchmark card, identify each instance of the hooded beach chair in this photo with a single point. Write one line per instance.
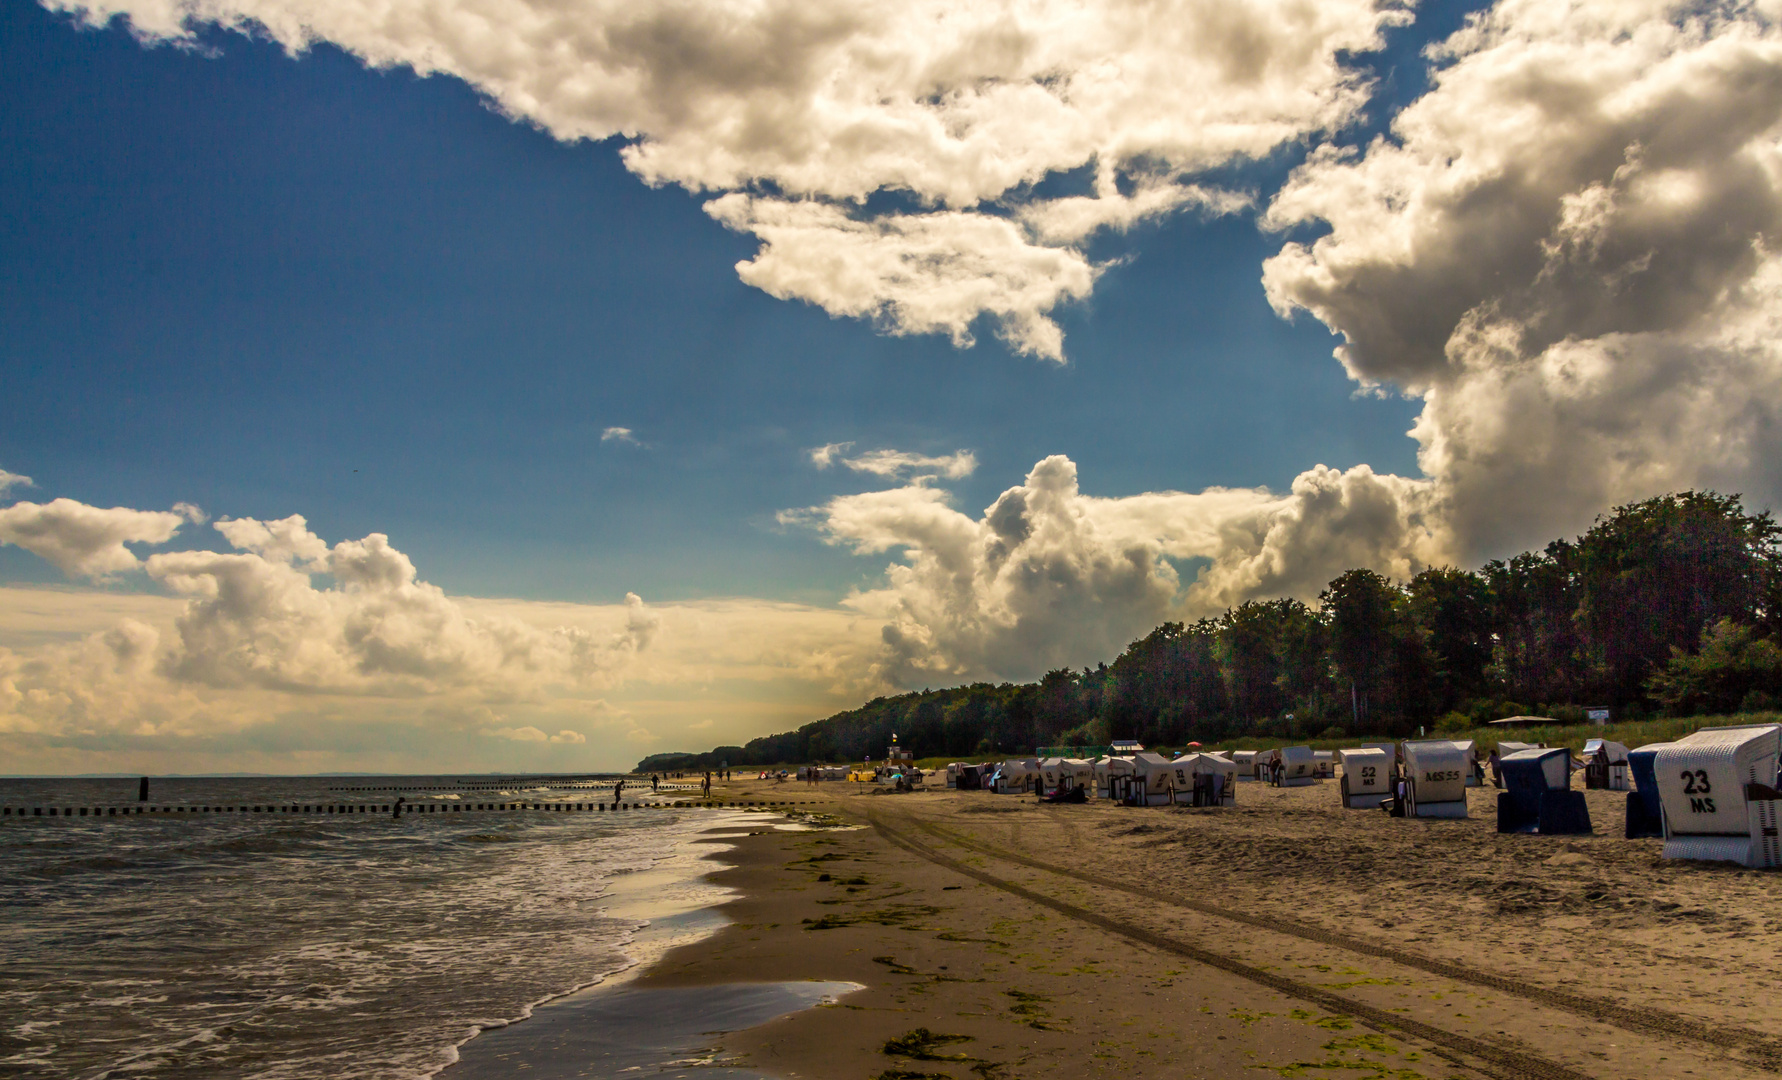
(1645, 809)
(1537, 795)
(1605, 765)
(1299, 767)
(1367, 777)
(1435, 779)
(1718, 790)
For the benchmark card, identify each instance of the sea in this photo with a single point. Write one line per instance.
(306, 946)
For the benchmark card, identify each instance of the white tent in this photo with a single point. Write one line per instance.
(1367, 777)
(1718, 787)
(1299, 766)
(1605, 765)
(1151, 779)
(1435, 778)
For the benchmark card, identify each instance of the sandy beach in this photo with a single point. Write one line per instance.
(998, 938)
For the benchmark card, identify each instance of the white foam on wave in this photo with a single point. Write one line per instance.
(373, 948)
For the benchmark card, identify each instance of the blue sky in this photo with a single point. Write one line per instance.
(251, 275)
(235, 278)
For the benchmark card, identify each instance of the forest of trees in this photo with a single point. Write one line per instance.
(1668, 606)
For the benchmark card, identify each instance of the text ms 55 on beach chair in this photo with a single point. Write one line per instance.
(1537, 795)
(1435, 779)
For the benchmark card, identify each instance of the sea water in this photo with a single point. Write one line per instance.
(303, 946)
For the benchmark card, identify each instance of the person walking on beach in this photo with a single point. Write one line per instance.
(655, 784)
(397, 809)
(618, 792)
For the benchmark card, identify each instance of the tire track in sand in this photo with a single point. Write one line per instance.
(1492, 1060)
(1765, 1051)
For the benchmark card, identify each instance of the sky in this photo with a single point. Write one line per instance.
(452, 384)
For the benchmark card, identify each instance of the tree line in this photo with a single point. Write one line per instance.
(1669, 606)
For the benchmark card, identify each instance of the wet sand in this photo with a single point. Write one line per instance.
(999, 938)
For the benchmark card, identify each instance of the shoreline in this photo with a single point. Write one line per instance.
(678, 905)
(993, 938)
(672, 905)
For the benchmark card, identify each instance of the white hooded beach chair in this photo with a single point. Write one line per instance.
(1245, 760)
(1049, 774)
(1119, 778)
(1151, 779)
(1435, 778)
(1605, 765)
(1017, 776)
(1299, 766)
(1077, 773)
(1367, 777)
(1204, 780)
(1474, 774)
(1718, 790)
(1262, 765)
(1326, 764)
(1182, 773)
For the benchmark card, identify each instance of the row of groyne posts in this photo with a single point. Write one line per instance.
(399, 808)
(430, 807)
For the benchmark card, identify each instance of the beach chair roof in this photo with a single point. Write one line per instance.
(1534, 770)
(1617, 752)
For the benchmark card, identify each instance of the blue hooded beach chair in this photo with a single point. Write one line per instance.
(1537, 795)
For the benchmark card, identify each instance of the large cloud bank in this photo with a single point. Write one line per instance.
(1048, 576)
(796, 111)
(255, 618)
(285, 651)
(1569, 250)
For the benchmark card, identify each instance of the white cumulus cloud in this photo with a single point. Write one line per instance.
(518, 734)
(85, 541)
(619, 434)
(10, 480)
(1048, 576)
(895, 463)
(1569, 250)
(957, 107)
